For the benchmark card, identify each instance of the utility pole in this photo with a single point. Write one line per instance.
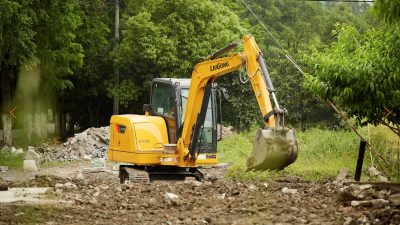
(116, 70)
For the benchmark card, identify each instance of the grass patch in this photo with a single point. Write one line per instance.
(32, 214)
(13, 161)
(322, 153)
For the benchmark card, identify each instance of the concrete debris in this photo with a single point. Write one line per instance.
(32, 154)
(376, 203)
(383, 178)
(98, 163)
(3, 169)
(104, 186)
(286, 191)
(394, 199)
(266, 185)
(221, 165)
(171, 198)
(344, 176)
(30, 165)
(69, 185)
(87, 157)
(221, 196)
(253, 187)
(193, 183)
(12, 150)
(373, 172)
(79, 176)
(17, 151)
(89, 144)
(31, 194)
(226, 131)
(58, 186)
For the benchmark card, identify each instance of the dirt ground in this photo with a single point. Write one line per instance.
(98, 198)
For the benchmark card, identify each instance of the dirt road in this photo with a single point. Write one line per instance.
(98, 198)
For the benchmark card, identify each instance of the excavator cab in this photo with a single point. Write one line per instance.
(168, 99)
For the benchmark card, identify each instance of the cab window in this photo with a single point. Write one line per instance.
(163, 99)
(206, 136)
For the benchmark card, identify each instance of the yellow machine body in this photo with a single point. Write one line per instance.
(137, 139)
(140, 140)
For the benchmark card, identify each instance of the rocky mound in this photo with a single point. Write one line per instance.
(91, 143)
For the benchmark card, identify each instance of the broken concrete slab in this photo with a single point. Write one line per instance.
(3, 169)
(377, 203)
(286, 190)
(29, 165)
(344, 175)
(395, 199)
(22, 194)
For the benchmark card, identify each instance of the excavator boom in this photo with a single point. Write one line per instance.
(274, 147)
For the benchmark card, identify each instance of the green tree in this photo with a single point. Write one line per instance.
(16, 46)
(89, 90)
(167, 38)
(361, 73)
(37, 36)
(298, 26)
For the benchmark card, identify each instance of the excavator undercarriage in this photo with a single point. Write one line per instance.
(143, 174)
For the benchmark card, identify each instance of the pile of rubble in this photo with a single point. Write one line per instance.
(12, 150)
(376, 202)
(91, 143)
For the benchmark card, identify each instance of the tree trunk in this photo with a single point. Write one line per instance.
(70, 125)
(43, 122)
(6, 107)
(29, 126)
(7, 131)
(63, 126)
(37, 125)
(57, 124)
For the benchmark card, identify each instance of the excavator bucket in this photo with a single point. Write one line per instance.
(273, 149)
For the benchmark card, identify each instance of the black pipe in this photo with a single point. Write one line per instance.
(222, 50)
(360, 160)
(265, 72)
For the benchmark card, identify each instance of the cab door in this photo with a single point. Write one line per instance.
(163, 103)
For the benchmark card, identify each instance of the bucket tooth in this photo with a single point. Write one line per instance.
(273, 149)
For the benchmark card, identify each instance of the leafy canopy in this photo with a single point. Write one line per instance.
(360, 72)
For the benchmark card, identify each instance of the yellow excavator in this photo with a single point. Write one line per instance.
(178, 132)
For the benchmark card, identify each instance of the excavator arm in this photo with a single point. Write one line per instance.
(203, 77)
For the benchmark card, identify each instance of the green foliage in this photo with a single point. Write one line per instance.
(167, 38)
(126, 92)
(57, 50)
(90, 81)
(322, 153)
(16, 34)
(388, 10)
(11, 160)
(173, 35)
(360, 72)
(298, 26)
